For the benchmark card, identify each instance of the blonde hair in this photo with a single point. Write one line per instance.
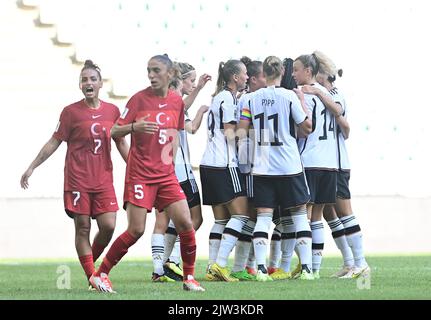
(186, 69)
(327, 66)
(176, 78)
(272, 67)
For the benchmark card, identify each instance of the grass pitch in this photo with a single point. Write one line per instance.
(392, 277)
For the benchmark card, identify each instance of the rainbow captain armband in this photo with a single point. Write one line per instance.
(245, 114)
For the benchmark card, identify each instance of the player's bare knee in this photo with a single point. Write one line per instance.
(83, 231)
(160, 226)
(107, 230)
(197, 222)
(136, 231)
(184, 225)
(329, 213)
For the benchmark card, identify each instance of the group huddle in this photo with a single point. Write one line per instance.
(275, 153)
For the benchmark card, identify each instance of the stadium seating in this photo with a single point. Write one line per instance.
(120, 35)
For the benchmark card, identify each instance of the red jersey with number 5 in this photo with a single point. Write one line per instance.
(88, 165)
(150, 156)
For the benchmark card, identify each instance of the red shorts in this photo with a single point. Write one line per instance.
(90, 203)
(157, 195)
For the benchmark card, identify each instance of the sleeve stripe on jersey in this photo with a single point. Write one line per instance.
(245, 114)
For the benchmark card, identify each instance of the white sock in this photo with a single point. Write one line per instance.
(296, 247)
(288, 242)
(170, 239)
(354, 238)
(275, 247)
(318, 234)
(231, 233)
(340, 239)
(215, 239)
(175, 256)
(251, 261)
(157, 250)
(242, 248)
(260, 237)
(303, 236)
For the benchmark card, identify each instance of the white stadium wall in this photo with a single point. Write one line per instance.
(379, 44)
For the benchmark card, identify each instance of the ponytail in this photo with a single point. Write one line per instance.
(176, 77)
(327, 66)
(220, 81)
(225, 73)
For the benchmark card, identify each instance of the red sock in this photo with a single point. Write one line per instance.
(97, 250)
(118, 249)
(188, 252)
(87, 264)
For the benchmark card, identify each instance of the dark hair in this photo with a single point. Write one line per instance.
(225, 72)
(88, 64)
(253, 67)
(310, 61)
(272, 67)
(164, 58)
(288, 82)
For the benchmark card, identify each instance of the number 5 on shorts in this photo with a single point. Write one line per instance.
(139, 192)
(77, 196)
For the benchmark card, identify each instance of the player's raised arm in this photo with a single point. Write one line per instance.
(194, 125)
(203, 79)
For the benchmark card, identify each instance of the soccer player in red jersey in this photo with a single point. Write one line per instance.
(153, 117)
(88, 184)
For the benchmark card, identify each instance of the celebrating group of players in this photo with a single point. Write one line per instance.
(276, 153)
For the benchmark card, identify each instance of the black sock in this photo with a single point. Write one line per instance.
(305, 267)
(262, 268)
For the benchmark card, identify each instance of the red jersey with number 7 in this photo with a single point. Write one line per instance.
(150, 157)
(88, 165)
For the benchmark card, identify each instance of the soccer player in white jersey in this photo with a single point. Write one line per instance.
(283, 239)
(244, 268)
(223, 185)
(344, 226)
(165, 241)
(278, 175)
(318, 154)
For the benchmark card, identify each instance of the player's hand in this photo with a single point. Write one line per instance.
(24, 178)
(141, 125)
(203, 109)
(299, 93)
(203, 79)
(308, 89)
